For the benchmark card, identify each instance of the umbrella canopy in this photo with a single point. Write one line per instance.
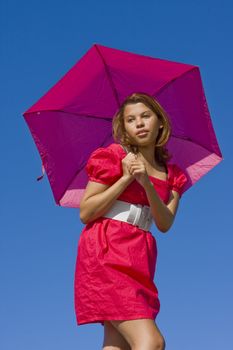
(75, 116)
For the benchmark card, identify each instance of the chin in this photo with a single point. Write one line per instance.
(143, 142)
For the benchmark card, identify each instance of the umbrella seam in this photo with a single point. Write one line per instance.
(171, 81)
(108, 75)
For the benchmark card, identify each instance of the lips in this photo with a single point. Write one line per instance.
(141, 132)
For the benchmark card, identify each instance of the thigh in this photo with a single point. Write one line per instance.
(139, 332)
(113, 340)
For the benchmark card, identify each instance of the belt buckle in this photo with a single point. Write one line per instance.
(145, 218)
(140, 216)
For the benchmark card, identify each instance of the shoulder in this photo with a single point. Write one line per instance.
(116, 148)
(104, 164)
(102, 157)
(112, 151)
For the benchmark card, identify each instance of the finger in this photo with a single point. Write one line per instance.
(137, 162)
(137, 168)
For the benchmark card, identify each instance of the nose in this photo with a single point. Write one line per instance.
(139, 122)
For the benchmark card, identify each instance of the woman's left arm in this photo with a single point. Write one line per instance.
(163, 214)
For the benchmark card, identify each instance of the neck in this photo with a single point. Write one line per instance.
(148, 153)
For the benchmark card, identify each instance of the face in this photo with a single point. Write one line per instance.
(141, 124)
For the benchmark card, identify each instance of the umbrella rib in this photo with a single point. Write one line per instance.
(188, 139)
(172, 80)
(109, 76)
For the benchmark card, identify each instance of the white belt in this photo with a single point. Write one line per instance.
(135, 214)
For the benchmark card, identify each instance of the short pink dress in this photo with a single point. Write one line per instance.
(116, 260)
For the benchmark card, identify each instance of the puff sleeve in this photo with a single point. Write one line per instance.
(104, 166)
(179, 179)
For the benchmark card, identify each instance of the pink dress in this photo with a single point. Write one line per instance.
(116, 260)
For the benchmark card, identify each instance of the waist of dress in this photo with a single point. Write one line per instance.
(135, 214)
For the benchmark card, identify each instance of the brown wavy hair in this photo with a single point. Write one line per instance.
(119, 133)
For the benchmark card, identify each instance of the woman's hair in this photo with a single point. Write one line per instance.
(119, 133)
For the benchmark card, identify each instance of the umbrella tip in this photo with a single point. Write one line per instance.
(40, 177)
(43, 172)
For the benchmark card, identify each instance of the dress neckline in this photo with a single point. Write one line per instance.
(150, 176)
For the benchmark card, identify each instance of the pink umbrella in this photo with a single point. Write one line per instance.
(75, 116)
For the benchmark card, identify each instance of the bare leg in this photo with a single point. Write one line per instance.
(113, 340)
(141, 334)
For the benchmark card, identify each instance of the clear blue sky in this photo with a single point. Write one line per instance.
(40, 42)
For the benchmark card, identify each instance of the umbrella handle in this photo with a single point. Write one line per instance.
(125, 149)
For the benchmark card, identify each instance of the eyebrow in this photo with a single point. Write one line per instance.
(130, 115)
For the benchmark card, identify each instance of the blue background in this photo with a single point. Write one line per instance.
(40, 42)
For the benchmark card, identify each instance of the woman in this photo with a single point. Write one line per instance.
(131, 183)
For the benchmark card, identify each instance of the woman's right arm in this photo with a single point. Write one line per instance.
(98, 198)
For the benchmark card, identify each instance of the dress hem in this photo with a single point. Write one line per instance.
(114, 318)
